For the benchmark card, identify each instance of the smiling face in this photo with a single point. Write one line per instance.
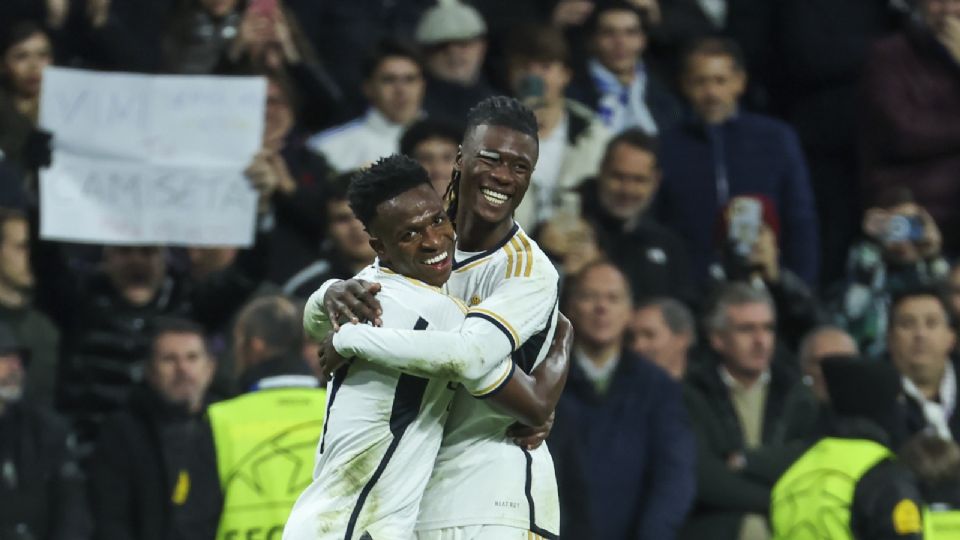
(413, 236)
(496, 163)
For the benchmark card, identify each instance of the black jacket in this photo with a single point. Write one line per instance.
(652, 257)
(915, 420)
(137, 475)
(624, 459)
(41, 487)
(725, 495)
(106, 339)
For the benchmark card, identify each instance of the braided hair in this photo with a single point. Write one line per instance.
(500, 111)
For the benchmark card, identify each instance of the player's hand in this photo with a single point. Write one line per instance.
(330, 359)
(528, 437)
(353, 300)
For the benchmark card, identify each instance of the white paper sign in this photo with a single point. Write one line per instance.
(142, 159)
(111, 202)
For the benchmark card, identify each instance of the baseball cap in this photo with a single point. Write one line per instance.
(450, 20)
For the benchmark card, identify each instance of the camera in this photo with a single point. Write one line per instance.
(904, 229)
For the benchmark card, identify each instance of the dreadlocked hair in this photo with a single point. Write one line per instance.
(450, 196)
(388, 177)
(502, 111)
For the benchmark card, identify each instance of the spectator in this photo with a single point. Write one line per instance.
(37, 333)
(821, 49)
(749, 233)
(849, 484)
(920, 342)
(350, 27)
(569, 241)
(621, 424)
(900, 250)
(41, 486)
(106, 315)
(936, 464)
(201, 32)
(737, 401)
(810, 401)
(821, 343)
(393, 85)
(267, 437)
(616, 82)
(434, 145)
(153, 475)
(954, 288)
(911, 115)
(292, 180)
(724, 152)
(616, 203)
(453, 37)
(347, 248)
(25, 50)
(663, 332)
(572, 137)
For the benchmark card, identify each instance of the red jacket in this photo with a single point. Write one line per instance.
(911, 125)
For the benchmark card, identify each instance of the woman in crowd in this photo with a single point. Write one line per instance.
(26, 49)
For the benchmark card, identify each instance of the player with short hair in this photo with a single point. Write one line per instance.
(384, 424)
(483, 486)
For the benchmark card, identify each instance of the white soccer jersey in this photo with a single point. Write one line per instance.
(382, 428)
(481, 477)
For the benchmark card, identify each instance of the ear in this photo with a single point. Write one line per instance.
(716, 342)
(257, 346)
(741, 79)
(379, 247)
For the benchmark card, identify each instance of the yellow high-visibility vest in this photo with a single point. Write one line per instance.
(266, 442)
(813, 498)
(941, 525)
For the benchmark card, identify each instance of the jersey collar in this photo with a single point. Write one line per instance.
(477, 256)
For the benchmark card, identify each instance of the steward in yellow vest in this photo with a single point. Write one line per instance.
(266, 439)
(849, 485)
(936, 464)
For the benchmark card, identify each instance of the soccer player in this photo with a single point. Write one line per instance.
(483, 486)
(384, 427)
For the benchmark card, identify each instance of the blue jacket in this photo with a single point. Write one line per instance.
(757, 155)
(625, 460)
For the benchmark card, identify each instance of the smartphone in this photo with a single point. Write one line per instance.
(904, 229)
(531, 91)
(744, 219)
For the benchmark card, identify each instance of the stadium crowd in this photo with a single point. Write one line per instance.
(754, 208)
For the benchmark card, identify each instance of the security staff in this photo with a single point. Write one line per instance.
(266, 438)
(849, 484)
(936, 463)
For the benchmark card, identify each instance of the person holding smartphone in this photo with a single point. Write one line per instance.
(901, 248)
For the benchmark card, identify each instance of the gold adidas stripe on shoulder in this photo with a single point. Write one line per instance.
(519, 253)
(528, 249)
(509, 252)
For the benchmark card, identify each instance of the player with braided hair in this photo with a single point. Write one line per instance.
(483, 485)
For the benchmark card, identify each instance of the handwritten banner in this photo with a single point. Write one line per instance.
(121, 203)
(142, 159)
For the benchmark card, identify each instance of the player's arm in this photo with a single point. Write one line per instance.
(337, 301)
(531, 399)
(491, 332)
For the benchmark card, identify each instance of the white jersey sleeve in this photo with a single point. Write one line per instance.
(316, 323)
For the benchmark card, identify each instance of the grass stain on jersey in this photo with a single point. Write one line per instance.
(353, 476)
